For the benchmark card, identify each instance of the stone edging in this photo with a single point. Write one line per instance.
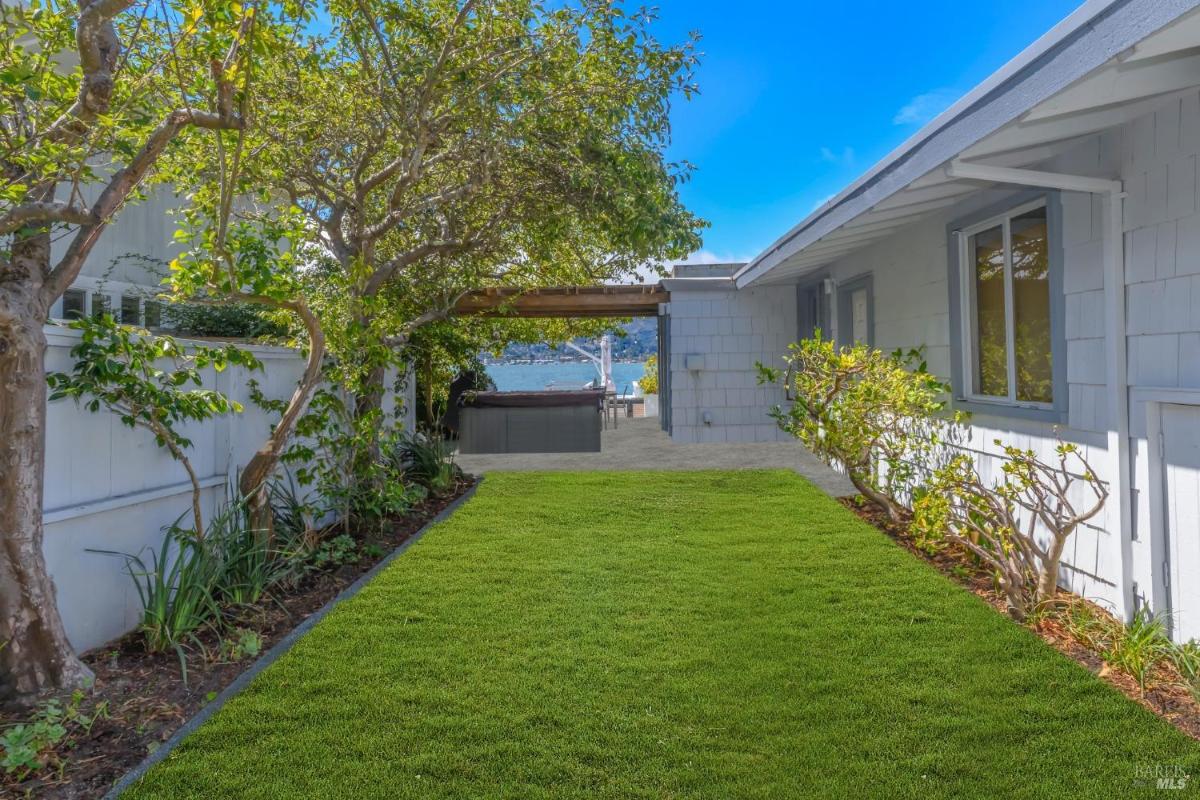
(281, 647)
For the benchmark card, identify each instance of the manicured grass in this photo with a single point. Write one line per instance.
(668, 635)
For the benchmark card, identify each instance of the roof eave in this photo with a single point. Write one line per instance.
(1095, 33)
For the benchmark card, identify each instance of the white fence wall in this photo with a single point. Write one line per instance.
(110, 487)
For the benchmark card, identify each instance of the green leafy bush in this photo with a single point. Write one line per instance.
(427, 460)
(649, 380)
(346, 458)
(336, 552)
(243, 644)
(876, 415)
(232, 320)
(28, 748)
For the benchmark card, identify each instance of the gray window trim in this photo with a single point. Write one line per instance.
(825, 321)
(1058, 311)
(845, 316)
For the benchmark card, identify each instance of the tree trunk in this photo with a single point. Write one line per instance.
(1047, 587)
(262, 465)
(35, 655)
(880, 499)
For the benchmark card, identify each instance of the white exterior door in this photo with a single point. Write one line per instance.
(858, 315)
(1181, 475)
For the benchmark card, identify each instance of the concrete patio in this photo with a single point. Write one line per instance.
(639, 444)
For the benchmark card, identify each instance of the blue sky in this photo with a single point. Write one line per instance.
(799, 98)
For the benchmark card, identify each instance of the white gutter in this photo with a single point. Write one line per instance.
(1115, 343)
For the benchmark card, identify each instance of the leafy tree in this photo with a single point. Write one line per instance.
(91, 96)
(256, 262)
(146, 381)
(437, 147)
(1019, 525)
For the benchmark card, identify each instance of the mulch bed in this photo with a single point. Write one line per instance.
(1167, 696)
(146, 696)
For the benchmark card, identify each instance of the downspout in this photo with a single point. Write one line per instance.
(1112, 192)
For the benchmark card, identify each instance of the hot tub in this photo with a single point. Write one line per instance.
(531, 422)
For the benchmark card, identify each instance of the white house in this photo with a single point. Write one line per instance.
(1041, 239)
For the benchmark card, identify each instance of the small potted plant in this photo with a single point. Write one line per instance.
(648, 383)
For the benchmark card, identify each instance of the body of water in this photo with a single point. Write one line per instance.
(529, 377)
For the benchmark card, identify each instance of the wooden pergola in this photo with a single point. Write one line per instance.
(565, 301)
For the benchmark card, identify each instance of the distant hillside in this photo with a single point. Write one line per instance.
(639, 343)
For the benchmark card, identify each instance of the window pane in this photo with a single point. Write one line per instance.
(991, 357)
(73, 304)
(130, 310)
(153, 314)
(1031, 307)
(99, 305)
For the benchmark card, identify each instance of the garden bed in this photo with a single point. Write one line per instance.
(147, 698)
(1167, 695)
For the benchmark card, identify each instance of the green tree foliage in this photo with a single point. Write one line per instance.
(92, 95)
(432, 148)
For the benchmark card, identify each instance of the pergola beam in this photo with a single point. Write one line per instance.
(564, 301)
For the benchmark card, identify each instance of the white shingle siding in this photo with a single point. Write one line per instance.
(1156, 156)
(733, 331)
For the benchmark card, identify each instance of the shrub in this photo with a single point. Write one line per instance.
(427, 460)
(177, 589)
(232, 321)
(29, 747)
(875, 415)
(649, 380)
(1140, 647)
(346, 457)
(244, 644)
(1000, 523)
(336, 552)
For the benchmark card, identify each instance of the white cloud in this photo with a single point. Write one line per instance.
(845, 158)
(925, 107)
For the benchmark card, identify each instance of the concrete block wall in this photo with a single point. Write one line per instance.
(731, 331)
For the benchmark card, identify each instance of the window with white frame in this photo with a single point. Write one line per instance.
(1006, 314)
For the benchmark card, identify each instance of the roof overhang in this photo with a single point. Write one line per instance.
(1107, 63)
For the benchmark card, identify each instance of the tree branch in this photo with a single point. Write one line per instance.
(120, 187)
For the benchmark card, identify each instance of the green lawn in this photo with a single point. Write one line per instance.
(719, 634)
